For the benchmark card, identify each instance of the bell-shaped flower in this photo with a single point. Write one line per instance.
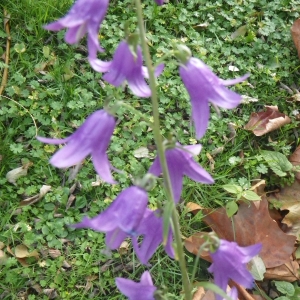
(180, 162)
(137, 290)
(126, 66)
(85, 16)
(230, 262)
(92, 137)
(203, 87)
(151, 229)
(121, 219)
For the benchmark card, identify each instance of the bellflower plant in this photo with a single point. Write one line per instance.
(126, 66)
(203, 87)
(128, 215)
(229, 262)
(121, 219)
(92, 137)
(137, 290)
(85, 16)
(180, 162)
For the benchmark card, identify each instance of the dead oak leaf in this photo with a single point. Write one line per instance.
(253, 225)
(286, 272)
(289, 199)
(265, 121)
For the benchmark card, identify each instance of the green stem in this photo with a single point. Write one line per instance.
(161, 153)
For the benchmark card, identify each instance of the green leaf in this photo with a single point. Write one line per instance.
(231, 208)
(252, 196)
(277, 162)
(285, 287)
(241, 31)
(257, 268)
(232, 188)
(282, 298)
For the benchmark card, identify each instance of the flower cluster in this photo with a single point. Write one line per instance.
(129, 216)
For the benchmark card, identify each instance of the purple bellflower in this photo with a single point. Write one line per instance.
(125, 66)
(204, 86)
(151, 228)
(92, 137)
(180, 162)
(229, 262)
(85, 16)
(121, 219)
(137, 290)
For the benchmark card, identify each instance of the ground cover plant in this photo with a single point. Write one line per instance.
(51, 89)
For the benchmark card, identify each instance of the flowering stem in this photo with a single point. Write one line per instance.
(161, 153)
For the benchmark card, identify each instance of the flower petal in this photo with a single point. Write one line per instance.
(75, 34)
(197, 173)
(69, 155)
(233, 81)
(102, 166)
(114, 238)
(53, 141)
(138, 85)
(200, 115)
(225, 98)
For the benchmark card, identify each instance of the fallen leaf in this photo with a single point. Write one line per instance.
(141, 152)
(251, 226)
(287, 272)
(295, 160)
(123, 249)
(266, 121)
(289, 199)
(295, 31)
(21, 253)
(43, 191)
(193, 207)
(54, 253)
(13, 175)
(198, 295)
(50, 293)
(193, 244)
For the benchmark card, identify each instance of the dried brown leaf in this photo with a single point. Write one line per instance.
(253, 225)
(286, 272)
(266, 121)
(289, 199)
(193, 207)
(295, 31)
(43, 191)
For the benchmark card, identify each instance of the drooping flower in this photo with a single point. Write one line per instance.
(137, 290)
(121, 219)
(85, 16)
(92, 137)
(229, 262)
(125, 66)
(159, 2)
(180, 162)
(151, 228)
(203, 87)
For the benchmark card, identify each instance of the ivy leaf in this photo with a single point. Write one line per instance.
(277, 162)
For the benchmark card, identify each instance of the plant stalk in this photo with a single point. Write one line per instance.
(161, 153)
